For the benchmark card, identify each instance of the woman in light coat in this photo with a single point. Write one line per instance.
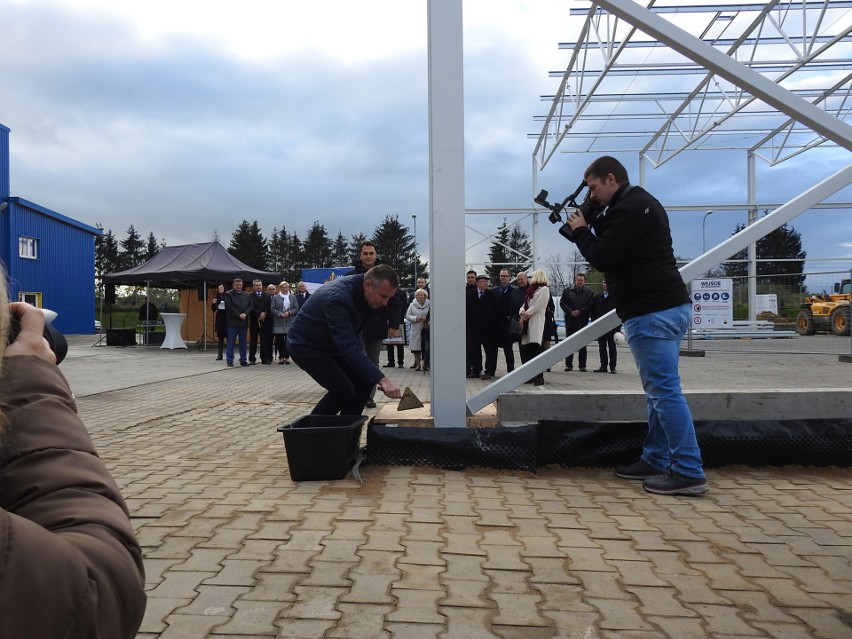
(532, 314)
(417, 314)
(283, 307)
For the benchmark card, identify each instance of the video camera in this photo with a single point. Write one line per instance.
(589, 208)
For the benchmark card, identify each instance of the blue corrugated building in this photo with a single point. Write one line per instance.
(49, 258)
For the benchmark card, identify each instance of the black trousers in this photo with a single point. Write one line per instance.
(607, 343)
(260, 332)
(347, 391)
(400, 354)
(281, 345)
(528, 352)
(583, 353)
(509, 354)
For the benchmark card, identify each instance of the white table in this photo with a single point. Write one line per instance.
(173, 322)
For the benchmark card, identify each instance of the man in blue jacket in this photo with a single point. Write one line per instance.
(632, 244)
(325, 340)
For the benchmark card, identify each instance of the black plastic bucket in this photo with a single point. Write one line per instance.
(322, 447)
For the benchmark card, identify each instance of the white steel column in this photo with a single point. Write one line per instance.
(752, 248)
(446, 211)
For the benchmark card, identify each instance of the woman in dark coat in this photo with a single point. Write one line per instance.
(221, 321)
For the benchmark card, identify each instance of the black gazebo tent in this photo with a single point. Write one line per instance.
(189, 266)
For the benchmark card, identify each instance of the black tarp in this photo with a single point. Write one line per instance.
(816, 442)
(188, 266)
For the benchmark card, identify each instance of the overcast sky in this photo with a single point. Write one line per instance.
(184, 117)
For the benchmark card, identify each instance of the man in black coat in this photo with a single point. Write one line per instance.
(481, 315)
(576, 303)
(602, 304)
(519, 293)
(380, 324)
(632, 244)
(302, 293)
(402, 301)
(503, 302)
(260, 329)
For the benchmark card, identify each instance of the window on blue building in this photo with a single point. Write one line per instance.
(28, 247)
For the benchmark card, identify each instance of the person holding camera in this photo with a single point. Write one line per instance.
(632, 244)
(70, 564)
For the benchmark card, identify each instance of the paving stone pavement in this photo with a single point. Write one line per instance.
(234, 548)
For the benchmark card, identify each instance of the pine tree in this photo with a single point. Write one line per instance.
(317, 248)
(520, 249)
(249, 246)
(133, 249)
(355, 247)
(782, 243)
(273, 250)
(396, 248)
(152, 247)
(294, 259)
(340, 251)
(107, 254)
(498, 254)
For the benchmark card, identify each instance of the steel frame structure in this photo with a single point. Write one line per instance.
(755, 60)
(803, 47)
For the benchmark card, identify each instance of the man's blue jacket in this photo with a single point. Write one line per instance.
(329, 323)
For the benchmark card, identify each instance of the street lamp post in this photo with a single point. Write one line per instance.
(414, 217)
(703, 228)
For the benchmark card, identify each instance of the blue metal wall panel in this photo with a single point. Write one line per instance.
(64, 272)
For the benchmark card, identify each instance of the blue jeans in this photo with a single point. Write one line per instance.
(233, 333)
(654, 341)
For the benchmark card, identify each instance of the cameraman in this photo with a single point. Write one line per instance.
(632, 244)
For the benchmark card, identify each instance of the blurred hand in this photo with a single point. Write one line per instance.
(389, 388)
(30, 340)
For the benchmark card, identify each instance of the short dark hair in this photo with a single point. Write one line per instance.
(366, 243)
(605, 165)
(470, 271)
(382, 273)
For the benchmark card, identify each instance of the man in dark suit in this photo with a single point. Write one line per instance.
(503, 302)
(302, 293)
(260, 330)
(383, 322)
(601, 305)
(481, 315)
(576, 303)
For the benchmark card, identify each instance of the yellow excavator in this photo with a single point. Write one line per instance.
(826, 312)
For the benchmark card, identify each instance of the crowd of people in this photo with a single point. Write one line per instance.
(71, 565)
(490, 312)
(337, 338)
